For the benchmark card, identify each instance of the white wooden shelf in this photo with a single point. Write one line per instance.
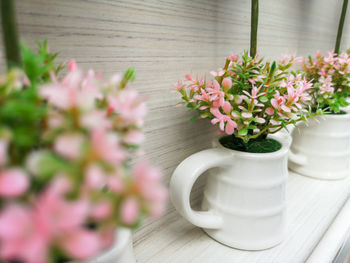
(312, 207)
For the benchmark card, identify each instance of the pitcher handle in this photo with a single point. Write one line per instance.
(184, 177)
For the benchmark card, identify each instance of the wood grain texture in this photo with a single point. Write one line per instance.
(312, 205)
(163, 39)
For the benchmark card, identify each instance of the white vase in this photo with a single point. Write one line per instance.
(121, 251)
(321, 148)
(244, 199)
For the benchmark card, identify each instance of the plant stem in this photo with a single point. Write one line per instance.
(340, 26)
(10, 35)
(254, 27)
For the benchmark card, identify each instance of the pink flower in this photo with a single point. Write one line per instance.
(21, 237)
(95, 177)
(102, 210)
(288, 59)
(129, 210)
(189, 77)
(255, 92)
(226, 107)
(318, 53)
(278, 103)
(96, 119)
(69, 145)
(73, 91)
(115, 183)
(204, 96)
(233, 57)
(330, 58)
(326, 85)
(179, 85)
(13, 182)
(260, 120)
(270, 111)
(247, 115)
(216, 94)
(217, 74)
(134, 137)
(107, 147)
(222, 120)
(147, 180)
(129, 106)
(72, 66)
(115, 79)
(227, 83)
(83, 244)
(58, 215)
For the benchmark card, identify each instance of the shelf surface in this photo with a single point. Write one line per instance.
(312, 206)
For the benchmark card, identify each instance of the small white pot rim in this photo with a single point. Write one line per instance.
(332, 116)
(122, 238)
(282, 137)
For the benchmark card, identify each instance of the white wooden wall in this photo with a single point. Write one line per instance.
(163, 39)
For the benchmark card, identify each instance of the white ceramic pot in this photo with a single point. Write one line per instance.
(244, 199)
(321, 148)
(121, 252)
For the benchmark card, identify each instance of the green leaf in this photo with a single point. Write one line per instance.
(194, 118)
(263, 99)
(243, 132)
(50, 164)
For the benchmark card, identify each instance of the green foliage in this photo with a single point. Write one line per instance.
(37, 65)
(50, 164)
(21, 110)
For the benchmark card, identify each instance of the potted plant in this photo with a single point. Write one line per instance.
(69, 182)
(250, 101)
(323, 145)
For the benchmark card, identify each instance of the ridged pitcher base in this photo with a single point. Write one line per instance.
(327, 175)
(267, 243)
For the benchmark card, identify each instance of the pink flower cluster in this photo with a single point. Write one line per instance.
(249, 98)
(330, 75)
(71, 193)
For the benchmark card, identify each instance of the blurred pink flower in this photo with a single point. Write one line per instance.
(82, 244)
(129, 106)
(106, 146)
(13, 182)
(134, 137)
(69, 145)
(129, 210)
(96, 119)
(102, 210)
(95, 177)
(75, 90)
(115, 183)
(148, 180)
(72, 65)
(21, 236)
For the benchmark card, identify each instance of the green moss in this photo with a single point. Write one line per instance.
(259, 145)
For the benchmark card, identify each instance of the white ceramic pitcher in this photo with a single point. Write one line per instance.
(244, 199)
(321, 148)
